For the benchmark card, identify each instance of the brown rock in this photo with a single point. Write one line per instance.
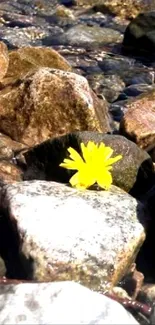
(133, 282)
(118, 292)
(147, 293)
(49, 103)
(138, 123)
(8, 147)
(9, 172)
(64, 13)
(123, 8)
(4, 60)
(28, 59)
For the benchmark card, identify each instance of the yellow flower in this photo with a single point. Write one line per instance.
(94, 167)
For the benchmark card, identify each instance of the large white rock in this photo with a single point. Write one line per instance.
(58, 303)
(87, 236)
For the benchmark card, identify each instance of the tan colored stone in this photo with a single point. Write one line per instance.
(27, 59)
(9, 173)
(138, 123)
(4, 60)
(63, 12)
(123, 8)
(50, 103)
(8, 147)
(148, 292)
(138, 278)
(133, 281)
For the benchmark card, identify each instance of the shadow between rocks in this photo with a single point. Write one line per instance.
(146, 257)
(18, 267)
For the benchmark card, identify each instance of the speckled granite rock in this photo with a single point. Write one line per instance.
(49, 103)
(59, 303)
(134, 173)
(64, 234)
(138, 122)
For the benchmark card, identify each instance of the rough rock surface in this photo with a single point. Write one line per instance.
(120, 7)
(9, 172)
(58, 303)
(8, 147)
(147, 293)
(50, 102)
(28, 59)
(88, 236)
(92, 34)
(4, 60)
(138, 122)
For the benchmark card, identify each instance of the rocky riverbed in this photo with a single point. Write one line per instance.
(74, 71)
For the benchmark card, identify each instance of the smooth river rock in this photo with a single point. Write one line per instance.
(59, 303)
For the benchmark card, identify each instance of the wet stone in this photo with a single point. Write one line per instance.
(26, 36)
(85, 36)
(106, 86)
(139, 37)
(137, 89)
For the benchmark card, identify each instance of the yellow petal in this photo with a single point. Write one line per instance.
(91, 146)
(111, 161)
(104, 152)
(109, 167)
(69, 164)
(82, 179)
(75, 155)
(88, 151)
(75, 181)
(94, 167)
(104, 180)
